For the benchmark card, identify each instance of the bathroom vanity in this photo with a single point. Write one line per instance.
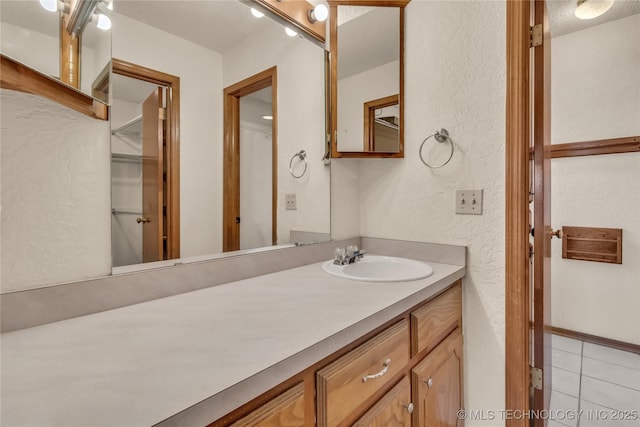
(288, 348)
(372, 380)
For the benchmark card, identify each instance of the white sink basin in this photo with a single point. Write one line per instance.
(375, 268)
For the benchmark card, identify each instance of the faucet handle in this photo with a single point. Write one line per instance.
(339, 254)
(352, 249)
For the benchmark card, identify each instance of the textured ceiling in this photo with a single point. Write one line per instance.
(563, 21)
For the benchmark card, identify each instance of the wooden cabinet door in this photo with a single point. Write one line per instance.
(286, 410)
(437, 385)
(393, 410)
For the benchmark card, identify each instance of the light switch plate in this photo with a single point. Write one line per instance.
(290, 202)
(469, 202)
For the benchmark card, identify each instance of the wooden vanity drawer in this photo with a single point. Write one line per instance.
(432, 322)
(341, 387)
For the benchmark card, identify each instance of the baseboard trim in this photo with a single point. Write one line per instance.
(608, 342)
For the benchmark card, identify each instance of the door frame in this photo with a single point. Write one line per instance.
(172, 135)
(231, 157)
(519, 287)
(517, 264)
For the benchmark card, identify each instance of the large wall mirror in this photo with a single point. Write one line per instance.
(367, 78)
(202, 47)
(33, 34)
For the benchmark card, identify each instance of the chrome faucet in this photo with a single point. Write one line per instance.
(348, 255)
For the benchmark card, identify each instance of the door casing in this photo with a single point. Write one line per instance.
(521, 15)
(231, 184)
(172, 141)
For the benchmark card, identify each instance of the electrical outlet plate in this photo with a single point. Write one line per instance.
(469, 202)
(290, 202)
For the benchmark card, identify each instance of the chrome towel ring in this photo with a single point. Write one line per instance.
(441, 135)
(302, 155)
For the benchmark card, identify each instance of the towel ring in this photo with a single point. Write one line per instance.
(441, 135)
(303, 156)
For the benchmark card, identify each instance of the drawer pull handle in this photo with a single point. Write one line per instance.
(409, 408)
(429, 382)
(379, 374)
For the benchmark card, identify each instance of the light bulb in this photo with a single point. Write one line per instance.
(290, 32)
(589, 9)
(319, 13)
(104, 23)
(256, 13)
(50, 5)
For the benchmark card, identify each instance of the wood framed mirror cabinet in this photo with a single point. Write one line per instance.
(367, 78)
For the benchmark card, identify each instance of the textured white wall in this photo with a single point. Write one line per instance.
(354, 92)
(200, 72)
(595, 82)
(596, 94)
(454, 79)
(300, 121)
(54, 195)
(591, 297)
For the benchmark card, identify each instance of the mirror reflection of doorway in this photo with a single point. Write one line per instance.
(250, 163)
(142, 166)
(256, 169)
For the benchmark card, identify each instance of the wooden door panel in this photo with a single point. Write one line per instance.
(392, 410)
(542, 211)
(286, 410)
(437, 385)
(152, 177)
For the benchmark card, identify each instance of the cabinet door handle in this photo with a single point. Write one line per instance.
(429, 382)
(409, 407)
(386, 364)
(143, 220)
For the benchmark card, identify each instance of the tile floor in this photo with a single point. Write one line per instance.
(593, 385)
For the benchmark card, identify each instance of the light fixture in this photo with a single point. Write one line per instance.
(320, 13)
(256, 13)
(589, 9)
(104, 22)
(267, 117)
(290, 32)
(49, 5)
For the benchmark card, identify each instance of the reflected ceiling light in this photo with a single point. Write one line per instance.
(290, 32)
(320, 13)
(49, 5)
(267, 117)
(104, 22)
(589, 9)
(101, 15)
(256, 13)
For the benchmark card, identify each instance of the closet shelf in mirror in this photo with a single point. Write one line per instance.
(115, 211)
(130, 127)
(126, 157)
(17, 76)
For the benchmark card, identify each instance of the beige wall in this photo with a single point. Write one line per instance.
(596, 94)
(454, 79)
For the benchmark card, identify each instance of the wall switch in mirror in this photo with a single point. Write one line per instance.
(469, 202)
(290, 201)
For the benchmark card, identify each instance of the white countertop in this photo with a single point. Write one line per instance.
(214, 348)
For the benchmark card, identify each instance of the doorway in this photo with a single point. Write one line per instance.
(250, 188)
(594, 191)
(145, 165)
